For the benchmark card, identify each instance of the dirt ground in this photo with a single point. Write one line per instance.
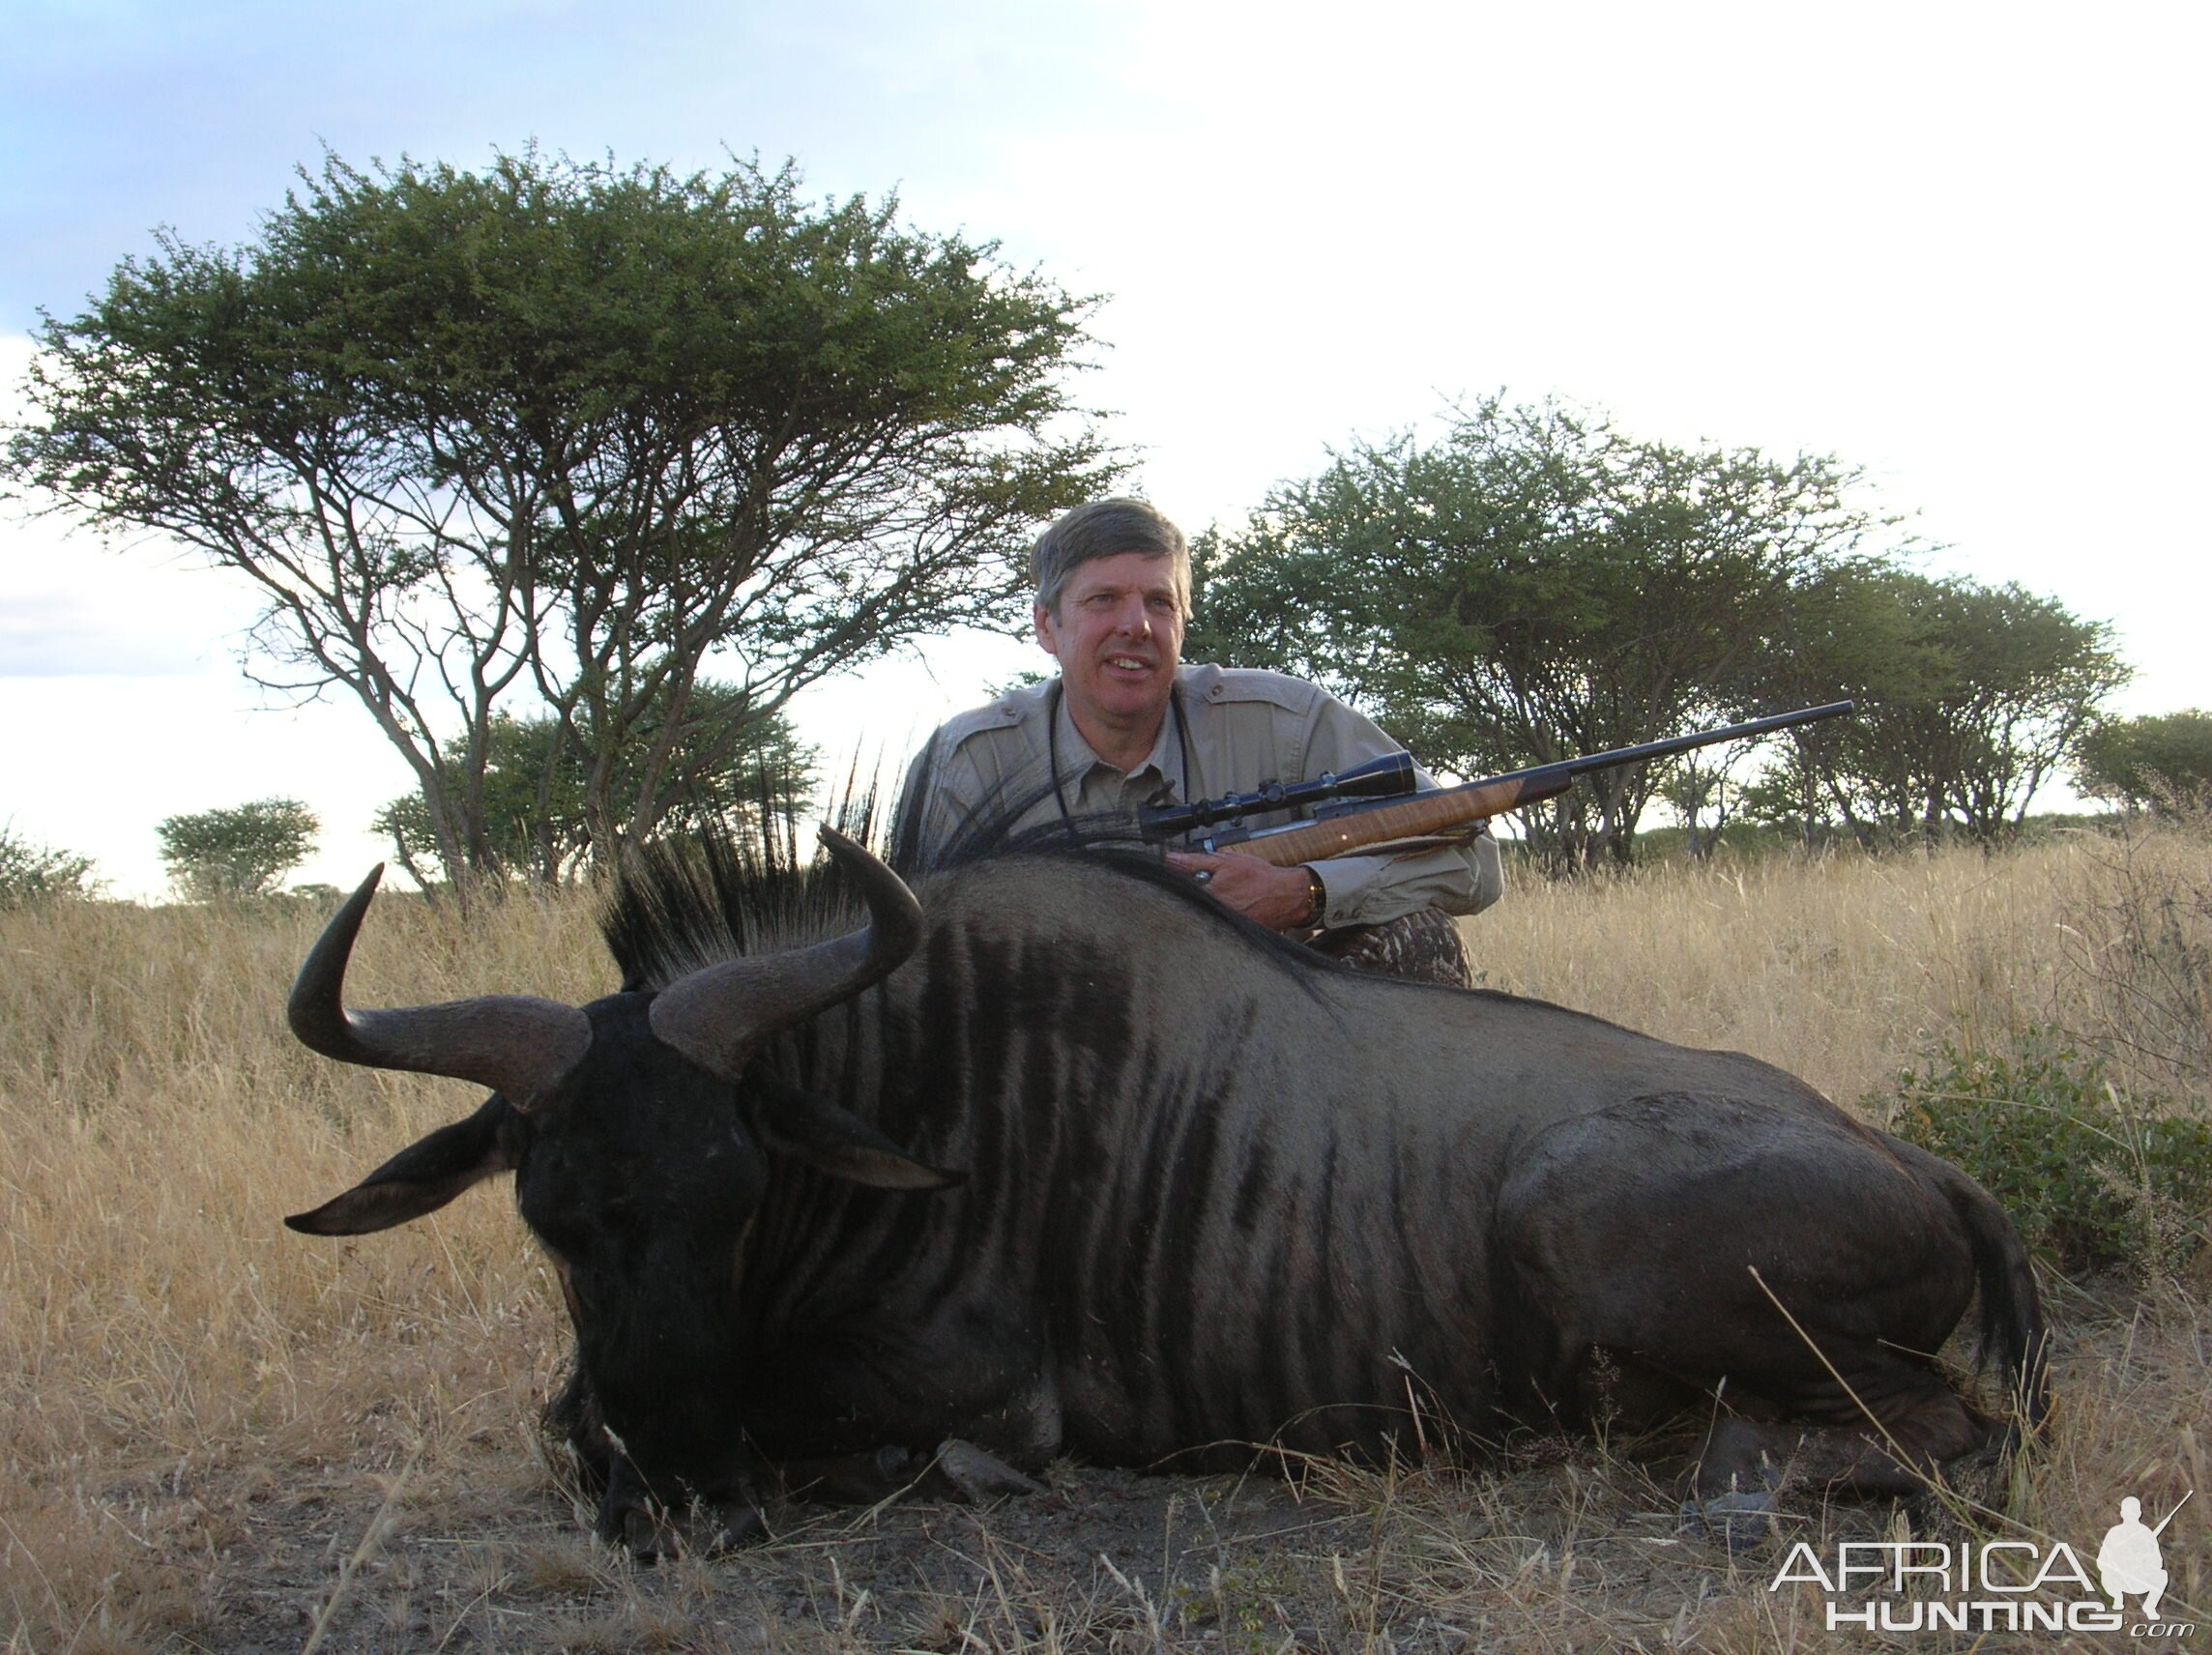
(1558, 1547)
(1105, 1559)
(417, 1545)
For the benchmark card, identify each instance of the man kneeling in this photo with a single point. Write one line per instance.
(1127, 725)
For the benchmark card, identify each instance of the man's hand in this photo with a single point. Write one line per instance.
(1278, 898)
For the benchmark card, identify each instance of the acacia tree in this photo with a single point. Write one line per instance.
(573, 435)
(238, 851)
(1536, 585)
(33, 873)
(1850, 635)
(536, 788)
(2019, 680)
(1970, 698)
(2162, 762)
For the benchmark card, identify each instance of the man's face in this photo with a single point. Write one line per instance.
(1118, 636)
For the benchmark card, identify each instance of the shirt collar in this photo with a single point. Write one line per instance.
(1079, 760)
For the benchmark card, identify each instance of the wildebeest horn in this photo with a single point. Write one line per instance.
(516, 1044)
(716, 1016)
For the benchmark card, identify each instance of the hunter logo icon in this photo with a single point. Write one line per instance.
(2002, 1584)
(2129, 1561)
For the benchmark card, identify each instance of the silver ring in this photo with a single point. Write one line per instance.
(1203, 876)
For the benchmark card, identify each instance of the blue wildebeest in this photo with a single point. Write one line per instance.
(1067, 1158)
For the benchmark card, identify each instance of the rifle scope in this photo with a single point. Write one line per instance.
(1390, 776)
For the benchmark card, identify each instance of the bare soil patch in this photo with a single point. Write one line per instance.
(472, 1541)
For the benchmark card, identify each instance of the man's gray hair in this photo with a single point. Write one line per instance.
(1105, 529)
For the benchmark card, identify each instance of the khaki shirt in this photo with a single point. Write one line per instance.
(1239, 730)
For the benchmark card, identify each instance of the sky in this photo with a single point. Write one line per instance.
(1960, 247)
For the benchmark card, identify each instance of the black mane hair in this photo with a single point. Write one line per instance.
(679, 904)
(685, 902)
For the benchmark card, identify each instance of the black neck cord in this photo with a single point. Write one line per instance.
(1052, 749)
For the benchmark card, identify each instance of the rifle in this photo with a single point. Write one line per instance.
(2170, 1516)
(1363, 821)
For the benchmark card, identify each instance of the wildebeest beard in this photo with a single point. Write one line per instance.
(1094, 1166)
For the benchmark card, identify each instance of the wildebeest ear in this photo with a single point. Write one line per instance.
(835, 1140)
(422, 1178)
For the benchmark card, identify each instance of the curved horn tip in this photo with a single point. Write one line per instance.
(350, 912)
(312, 1008)
(354, 906)
(891, 904)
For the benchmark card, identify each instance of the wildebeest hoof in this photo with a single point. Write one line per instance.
(712, 1528)
(707, 1530)
(970, 1475)
(1738, 1521)
(850, 1479)
(648, 1536)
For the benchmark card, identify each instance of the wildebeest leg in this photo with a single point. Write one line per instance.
(977, 1476)
(651, 1530)
(1766, 1252)
(705, 1529)
(849, 1479)
(958, 1470)
(1899, 1456)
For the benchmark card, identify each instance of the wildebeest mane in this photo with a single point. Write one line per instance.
(685, 902)
(991, 831)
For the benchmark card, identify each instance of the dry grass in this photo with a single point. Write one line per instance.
(1839, 970)
(214, 1434)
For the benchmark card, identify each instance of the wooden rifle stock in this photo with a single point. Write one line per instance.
(1442, 810)
(1445, 810)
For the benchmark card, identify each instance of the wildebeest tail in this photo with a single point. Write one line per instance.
(2012, 1311)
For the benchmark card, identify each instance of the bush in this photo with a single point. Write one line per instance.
(31, 873)
(2092, 1177)
(2162, 763)
(238, 853)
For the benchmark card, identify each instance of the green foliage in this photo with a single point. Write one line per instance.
(1540, 584)
(536, 784)
(2160, 763)
(1024, 678)
(238, 853)
(2090, 1176)
(1537, 584)
(31, 873)
(565, 430)
(1971, 697)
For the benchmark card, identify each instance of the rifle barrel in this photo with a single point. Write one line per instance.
(1696, 738)
(2172, 1515)
(1446, 808)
